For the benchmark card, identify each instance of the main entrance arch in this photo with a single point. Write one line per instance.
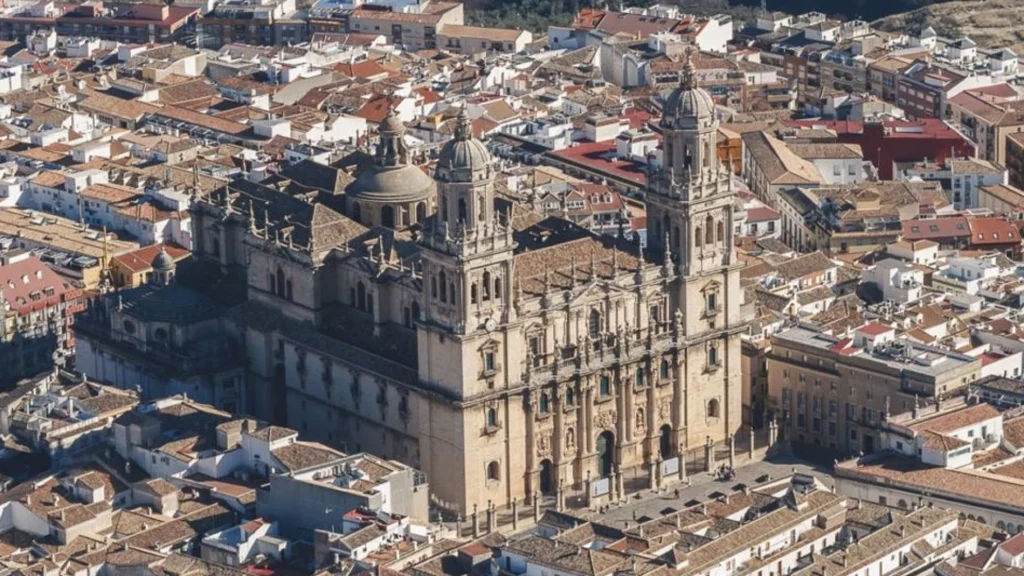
(605, 453)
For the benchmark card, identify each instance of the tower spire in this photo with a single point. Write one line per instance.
(463, 126)
(688, 80)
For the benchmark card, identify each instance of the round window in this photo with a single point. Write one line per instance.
(129, 326)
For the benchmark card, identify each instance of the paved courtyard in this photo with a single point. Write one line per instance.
(702, 486)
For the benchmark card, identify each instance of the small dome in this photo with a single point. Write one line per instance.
(163, 260)
(689, 100)
(391, 123)
(463, 152)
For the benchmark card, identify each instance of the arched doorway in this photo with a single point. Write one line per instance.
(421, 212)
(387, 217)
(665, 442)
(605, 453)
(547, 480)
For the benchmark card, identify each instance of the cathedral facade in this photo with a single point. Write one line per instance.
(502, 352)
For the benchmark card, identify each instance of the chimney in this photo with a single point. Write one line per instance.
(641, 530)
(903, 531)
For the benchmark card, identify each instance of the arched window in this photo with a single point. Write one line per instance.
(443, 280)
(713, 408)
(493, 471)
(497, 288)
(712, 356)
(664, 369)
(360, 296)
(387, 217)
(639, 376)
(902, 503)
(451, 292)
(415, 311)
(487, 285)
(604, 386)
(594, 324)
(492, 417)
(570, 396)
(481, 212)
(273, 286)
(709, 230)
(433, 286)
(1001, 526)
(544, 403)
(720, 231)
(421, 211)
(472, 294)
(698, 239)
(280, 282)
(288, 289)
(462, 210)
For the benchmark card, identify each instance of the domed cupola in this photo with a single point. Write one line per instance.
(392, 192)
(688, 106)
(463, 158)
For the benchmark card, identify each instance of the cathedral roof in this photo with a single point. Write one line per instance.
(576, 260)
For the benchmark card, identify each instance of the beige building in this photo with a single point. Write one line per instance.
(836, 392)
(412, 31)
(503, 353)
(476, 39)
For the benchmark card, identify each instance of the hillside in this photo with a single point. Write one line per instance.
(990, 23)
(537, 15)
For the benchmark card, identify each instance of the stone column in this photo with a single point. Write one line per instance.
(682, 463)
(588, 419)
(559, 497)
(515, 513)
(476, 523)
(750, 450)
(492, 517)
(458, 525)
(536, 506)
(651, 480)
(709, 455)
(531, 442)
(651, 414)
(732, 450)
(588, 488)
(620, 487)
(657, 473)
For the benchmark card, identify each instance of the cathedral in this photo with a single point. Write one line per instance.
(502, 352)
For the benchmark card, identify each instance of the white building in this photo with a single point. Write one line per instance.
(896, 280)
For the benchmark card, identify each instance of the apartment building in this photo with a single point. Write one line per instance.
(137, 23)
(413, 31)
(986, 122)
(37, 308)
(835, 392)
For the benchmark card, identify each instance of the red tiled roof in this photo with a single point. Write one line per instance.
(142, 259)
(761, 214)
(874, 329)
(21, 281)
(1014, 546)
(599, 157)
(953, 227)
(375, 110)
(992, 231)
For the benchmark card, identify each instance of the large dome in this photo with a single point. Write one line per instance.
(689, 101)
(393, 177)
(391, 184)
(463, 153)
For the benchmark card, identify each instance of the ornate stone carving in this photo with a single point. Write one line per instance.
(606, 420)
(641, 422)
(665, 409)
(544, 446)
(570, 440)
